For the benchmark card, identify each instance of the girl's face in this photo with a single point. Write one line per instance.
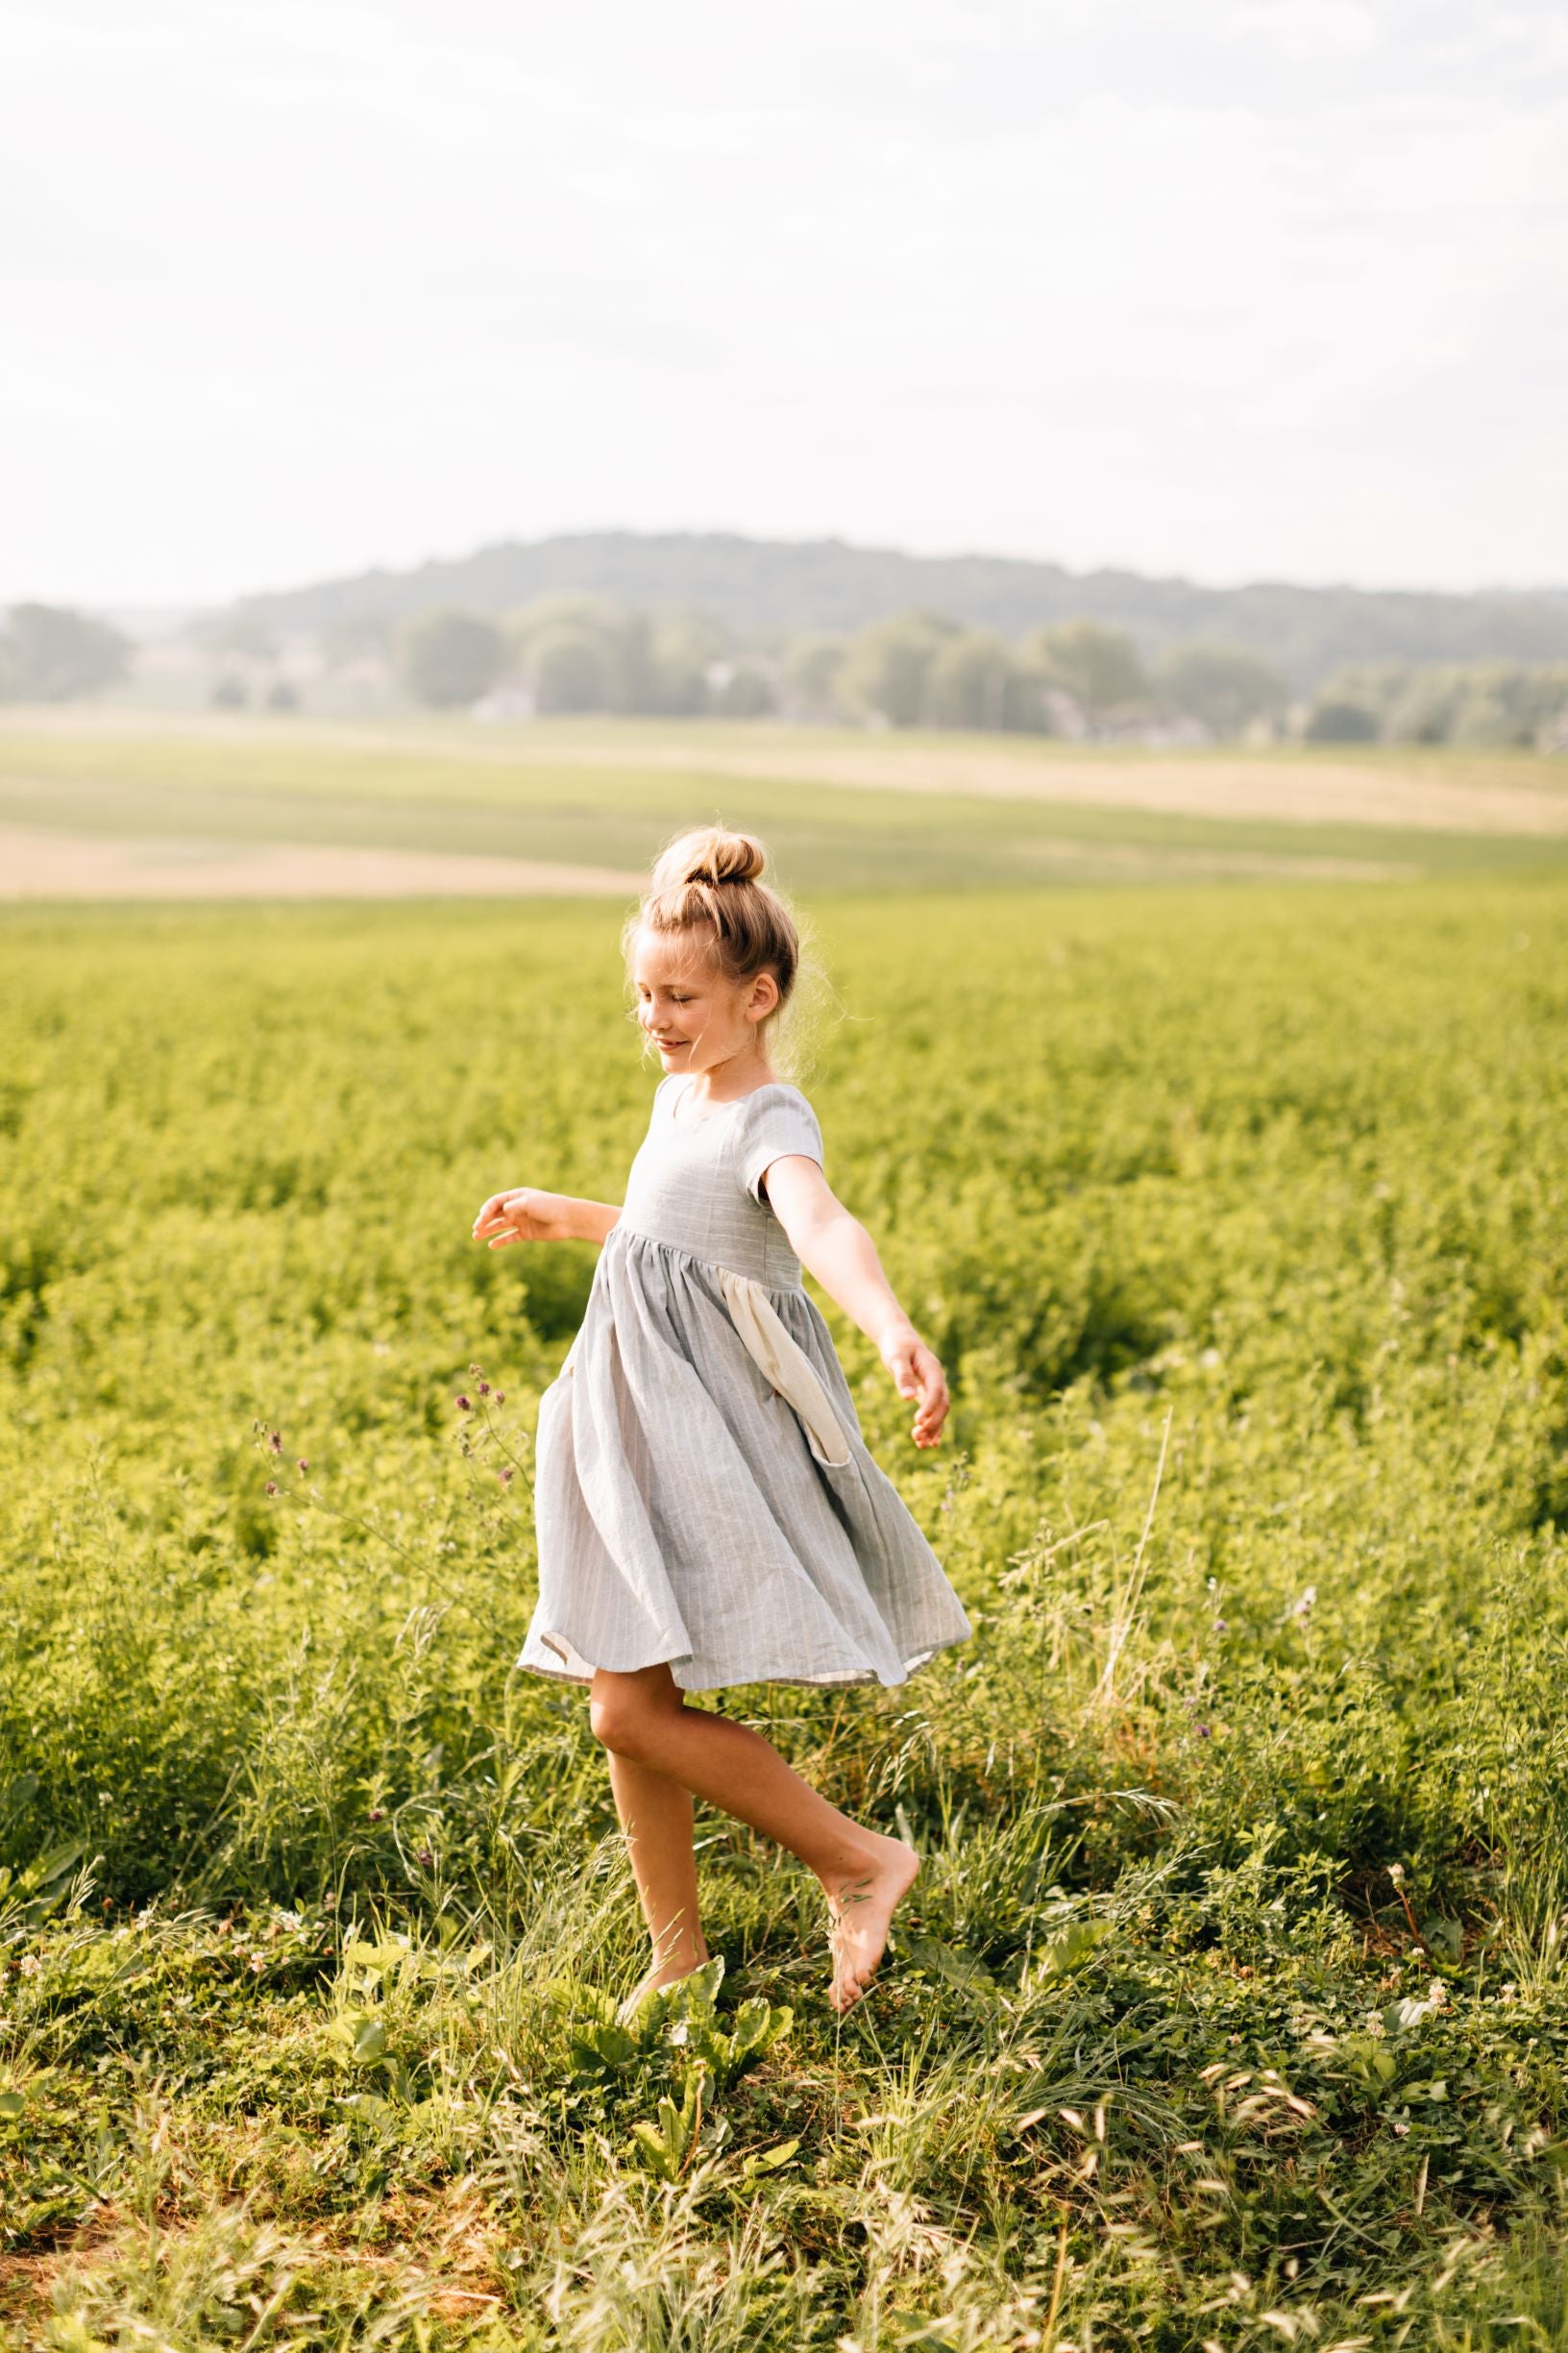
(693, 1014)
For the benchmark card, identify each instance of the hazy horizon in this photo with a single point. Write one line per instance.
(954, 553)
(131, 610)
(1274, 294)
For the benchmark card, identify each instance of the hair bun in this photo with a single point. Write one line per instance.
(711, 855)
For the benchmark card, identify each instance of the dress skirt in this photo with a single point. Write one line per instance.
(684, 1513)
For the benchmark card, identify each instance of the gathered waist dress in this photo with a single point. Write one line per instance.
(703, 1496)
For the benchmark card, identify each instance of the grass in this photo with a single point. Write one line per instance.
(1230, 2005)
(609, 796)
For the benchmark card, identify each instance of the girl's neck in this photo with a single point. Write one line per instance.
(727, 1082)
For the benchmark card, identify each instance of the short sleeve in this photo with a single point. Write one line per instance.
(780, 1120)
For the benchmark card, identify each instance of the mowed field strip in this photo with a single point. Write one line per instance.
(1323, 791)
(36, 863)
(126, 803)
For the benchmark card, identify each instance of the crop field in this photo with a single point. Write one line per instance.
(133, 806)
(1230, 2006)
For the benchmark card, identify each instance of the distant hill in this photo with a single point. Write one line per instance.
(762, 588)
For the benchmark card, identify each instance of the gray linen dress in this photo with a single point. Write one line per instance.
(683, 1515)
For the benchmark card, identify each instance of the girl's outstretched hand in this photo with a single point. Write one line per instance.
(523, 1216)
(918, 1374)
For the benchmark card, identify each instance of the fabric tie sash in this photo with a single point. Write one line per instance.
(785, 1364)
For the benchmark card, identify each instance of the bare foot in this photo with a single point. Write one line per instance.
(661, 1974)
(862, 1906)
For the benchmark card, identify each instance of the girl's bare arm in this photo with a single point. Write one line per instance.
(833, 1245)
(525, 1214)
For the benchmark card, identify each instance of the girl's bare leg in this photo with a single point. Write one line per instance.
(657, 1816)
(643, 1718)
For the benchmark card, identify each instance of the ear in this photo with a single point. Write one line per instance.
(762, 997)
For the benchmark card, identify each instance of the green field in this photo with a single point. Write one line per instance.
(607, 794)
(1231, 2004)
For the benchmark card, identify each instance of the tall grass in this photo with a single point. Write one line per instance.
(1229, 2007)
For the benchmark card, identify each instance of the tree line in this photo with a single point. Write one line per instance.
(1444, 702)
(52, 654)
(768, 590)
(564, 655)
(568, 653)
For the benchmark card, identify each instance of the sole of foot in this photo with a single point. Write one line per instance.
(862, 1909)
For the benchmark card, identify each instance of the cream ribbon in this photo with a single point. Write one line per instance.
(785, 1362)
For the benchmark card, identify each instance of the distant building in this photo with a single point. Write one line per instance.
(1066, 713)
(508, 702)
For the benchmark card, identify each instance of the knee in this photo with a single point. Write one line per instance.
(625, 1722)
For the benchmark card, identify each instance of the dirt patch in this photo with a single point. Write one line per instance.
(1242, 791)
(1289, 788)
(35, 864)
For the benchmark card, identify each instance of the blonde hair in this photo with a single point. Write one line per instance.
(710, 881)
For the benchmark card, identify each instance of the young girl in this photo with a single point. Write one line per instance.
(707, 1513)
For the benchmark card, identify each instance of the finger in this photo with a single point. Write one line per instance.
(504, 1206)
(933, 1412)
(500, 1206)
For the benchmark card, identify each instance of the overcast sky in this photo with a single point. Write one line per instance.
(1234, 288)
